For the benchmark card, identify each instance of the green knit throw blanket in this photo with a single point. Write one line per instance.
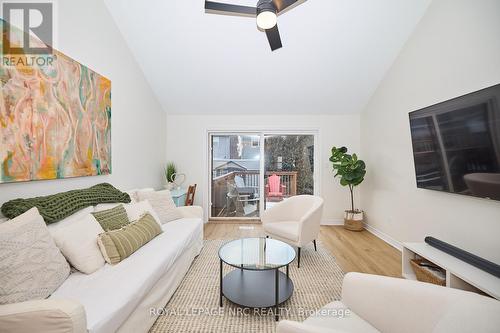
(58, 206)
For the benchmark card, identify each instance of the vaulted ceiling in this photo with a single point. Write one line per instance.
(335, 53)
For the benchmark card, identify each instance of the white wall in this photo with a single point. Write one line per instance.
(454, 50)
(187, 146)
(87, 33)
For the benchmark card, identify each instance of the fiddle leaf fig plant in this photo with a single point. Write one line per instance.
(349, 168)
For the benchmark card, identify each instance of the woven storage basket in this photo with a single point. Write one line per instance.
(425, 275)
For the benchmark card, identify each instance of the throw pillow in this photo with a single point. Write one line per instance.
(133, 193)
(77, 241)
(137, 210)
(112, 219)
(31, 265)
(163, 205)
(116, 245)
(134, 210)
(54, 227)
(106, 206)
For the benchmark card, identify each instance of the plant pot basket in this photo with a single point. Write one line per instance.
(353, 221)
(353, 225)
(425, 274)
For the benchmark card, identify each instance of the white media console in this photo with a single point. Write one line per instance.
(459, 274)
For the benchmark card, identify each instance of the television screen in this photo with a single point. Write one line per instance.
(456, 144)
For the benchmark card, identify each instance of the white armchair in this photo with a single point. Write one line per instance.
(295, 220)
(372, 303)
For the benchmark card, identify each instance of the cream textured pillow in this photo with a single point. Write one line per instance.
(106, 206)
(78, 243)
(163, 205)
(53, 227)
(31, 265)
(133, 193)
(136, 210)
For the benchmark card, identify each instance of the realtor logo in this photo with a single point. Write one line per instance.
(33, 18)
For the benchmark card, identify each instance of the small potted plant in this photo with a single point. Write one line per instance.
(170, 171)
(351, 171)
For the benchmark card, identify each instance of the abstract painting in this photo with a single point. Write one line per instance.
(55, 118)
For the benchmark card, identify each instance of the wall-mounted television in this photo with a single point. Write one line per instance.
(456, 144)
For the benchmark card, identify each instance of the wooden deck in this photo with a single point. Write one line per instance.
(251, 181)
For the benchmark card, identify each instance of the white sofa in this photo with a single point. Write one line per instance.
(116, 298)
(372, 303)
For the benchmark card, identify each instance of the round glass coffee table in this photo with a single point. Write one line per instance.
(257, 282)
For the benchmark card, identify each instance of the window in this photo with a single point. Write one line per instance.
(255, 142)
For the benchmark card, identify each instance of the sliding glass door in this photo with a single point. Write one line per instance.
(253, 171)
(235, 175)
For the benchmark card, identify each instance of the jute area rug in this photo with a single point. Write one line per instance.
(195, 305)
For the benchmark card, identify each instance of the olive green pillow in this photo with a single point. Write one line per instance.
(117, 245)
(112, 219)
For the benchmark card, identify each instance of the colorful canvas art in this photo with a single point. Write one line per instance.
(55, 118)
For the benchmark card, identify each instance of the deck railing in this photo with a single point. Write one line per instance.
(250, 179)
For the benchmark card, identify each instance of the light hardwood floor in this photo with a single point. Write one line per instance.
(354, 251)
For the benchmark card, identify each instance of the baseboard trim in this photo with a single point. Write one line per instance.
(385, 237)
(332, 222)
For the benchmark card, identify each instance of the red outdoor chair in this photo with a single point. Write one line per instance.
(274, 190)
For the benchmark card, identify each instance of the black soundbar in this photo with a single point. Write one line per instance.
(468, 257)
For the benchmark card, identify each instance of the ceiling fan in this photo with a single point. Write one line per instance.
(266, 12)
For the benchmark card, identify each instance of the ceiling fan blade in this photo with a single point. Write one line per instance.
(282, 5)
(229, 9)
(273, 36)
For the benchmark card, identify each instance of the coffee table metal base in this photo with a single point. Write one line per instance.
(257, 289)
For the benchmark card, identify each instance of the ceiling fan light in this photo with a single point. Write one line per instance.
(266, 19)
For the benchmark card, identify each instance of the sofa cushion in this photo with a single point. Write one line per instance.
(113, 292)
(288, 230)
(77, 241)
(31, 265)
(116, 245)
(162, 203)
(113, 218)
